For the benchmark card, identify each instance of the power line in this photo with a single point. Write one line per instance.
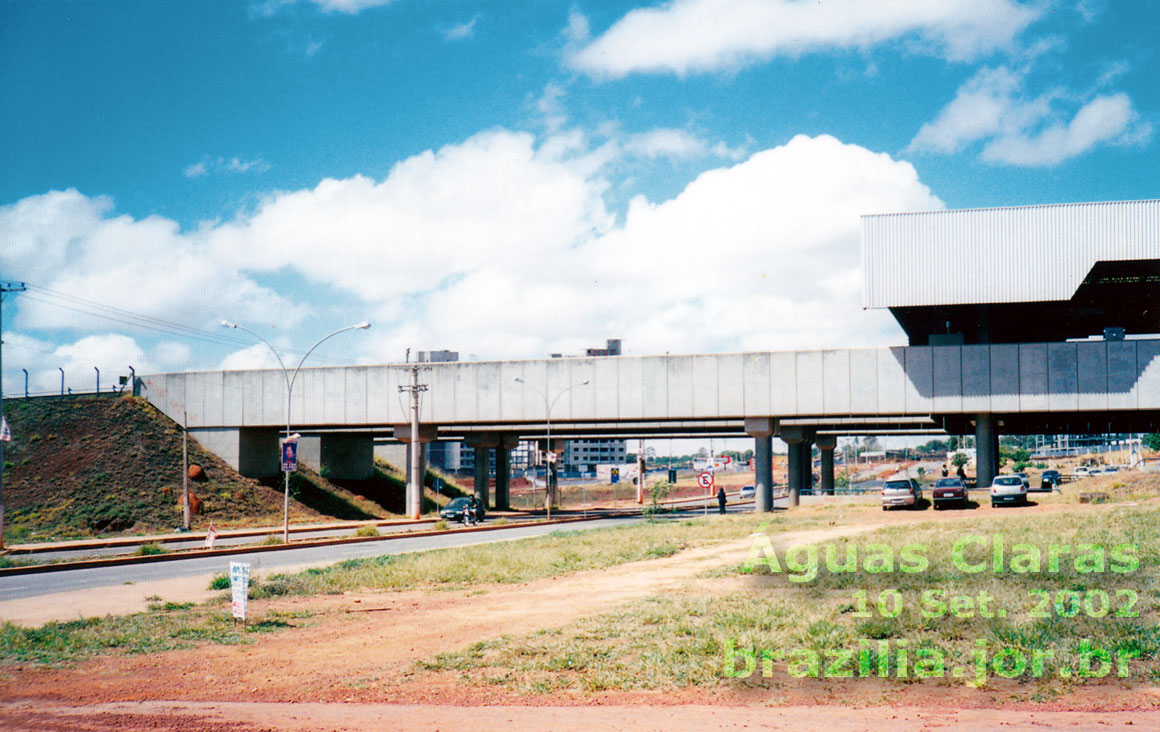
(111, 313)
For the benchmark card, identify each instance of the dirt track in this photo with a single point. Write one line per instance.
(255, 717)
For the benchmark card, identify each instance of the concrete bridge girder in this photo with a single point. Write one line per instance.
(1062, 378)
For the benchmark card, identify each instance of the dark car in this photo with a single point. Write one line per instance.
(454, 511)
(948, 490)
(1049, 480)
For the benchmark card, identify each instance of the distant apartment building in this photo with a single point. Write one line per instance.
(438, 356)
(611, 348)
(584, 455)
(579, 455)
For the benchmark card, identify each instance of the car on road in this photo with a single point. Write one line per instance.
(746, 493)
(1026, 480)
(454, 511)
(901, 492)
(1082, 471)
(1008, 489)
(948, 490)
(1049, 480)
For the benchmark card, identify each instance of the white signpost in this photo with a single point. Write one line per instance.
(705, 480)
(239, 588)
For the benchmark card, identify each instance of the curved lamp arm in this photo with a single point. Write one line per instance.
(285, 375)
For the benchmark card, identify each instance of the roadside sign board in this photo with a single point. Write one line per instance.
(239, 587)
(614, 476)
(289, 455)
(705, 479)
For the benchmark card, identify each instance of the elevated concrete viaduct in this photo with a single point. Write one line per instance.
(803, 397)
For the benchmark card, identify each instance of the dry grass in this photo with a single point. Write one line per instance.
(679, 639)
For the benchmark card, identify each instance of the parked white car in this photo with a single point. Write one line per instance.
(1008, 489)
(747, 492)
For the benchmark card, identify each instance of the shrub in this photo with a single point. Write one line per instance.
(220, 582)
(367, 531)
(150, 549)
(440, 525)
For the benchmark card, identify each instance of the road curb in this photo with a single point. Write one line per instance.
(231, 551)
(22, 549)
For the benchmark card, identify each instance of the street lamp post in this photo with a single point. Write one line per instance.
(548, 428)
(290, 378)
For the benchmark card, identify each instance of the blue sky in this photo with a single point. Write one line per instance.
(509, 179)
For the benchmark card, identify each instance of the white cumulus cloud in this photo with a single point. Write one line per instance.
(1104, 119)
(1018, 129)
(694, 36)
(499, 246)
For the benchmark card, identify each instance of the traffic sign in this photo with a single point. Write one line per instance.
(705, 479)
(614, 475)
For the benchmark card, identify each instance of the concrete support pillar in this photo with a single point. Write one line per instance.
(793, 438)
(347, 456)
(252, 451)
(807, 464)
(259, 455)
(503, 470)
(986, 449)
(427, 433)
(827, 444)
(482, 443)
(762, 432)
(503, 477)
(482, 473)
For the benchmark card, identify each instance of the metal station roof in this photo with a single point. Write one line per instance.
(1018, 254)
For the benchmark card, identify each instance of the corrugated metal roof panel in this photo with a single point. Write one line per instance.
(999, 255)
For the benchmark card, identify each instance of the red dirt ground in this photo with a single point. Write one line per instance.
(351, 667)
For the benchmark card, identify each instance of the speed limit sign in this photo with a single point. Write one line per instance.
(705, 479)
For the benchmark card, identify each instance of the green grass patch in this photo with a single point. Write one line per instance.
(151, 549)
(366, 531)
(170, 626)
(680, 639)
(560, 552)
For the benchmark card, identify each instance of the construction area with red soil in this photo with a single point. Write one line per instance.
(355, 661)
(106, 465)
(352, 664)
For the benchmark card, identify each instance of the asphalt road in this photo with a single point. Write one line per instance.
(16, 587)
(32, 585)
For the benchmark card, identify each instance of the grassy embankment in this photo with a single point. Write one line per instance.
(94, 466)
(560, 553)
(1066, 618)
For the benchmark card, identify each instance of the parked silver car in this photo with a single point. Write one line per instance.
(901, 492)
(1008, 489)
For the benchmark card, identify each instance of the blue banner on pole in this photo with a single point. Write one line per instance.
(289, 456)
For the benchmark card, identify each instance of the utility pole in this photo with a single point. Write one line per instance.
(185, 469)
(415, 480)
(4, 287)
